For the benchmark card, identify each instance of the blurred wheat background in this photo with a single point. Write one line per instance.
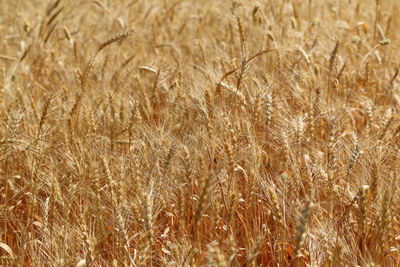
(199, 133)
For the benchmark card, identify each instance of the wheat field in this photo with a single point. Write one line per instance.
(199, 133)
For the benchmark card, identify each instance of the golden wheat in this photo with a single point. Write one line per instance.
(217, 133)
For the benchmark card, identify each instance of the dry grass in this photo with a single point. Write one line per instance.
(199, 133)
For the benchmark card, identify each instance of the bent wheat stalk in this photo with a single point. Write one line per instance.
(116, 38)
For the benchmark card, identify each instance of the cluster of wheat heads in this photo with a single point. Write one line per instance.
(216, 133)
